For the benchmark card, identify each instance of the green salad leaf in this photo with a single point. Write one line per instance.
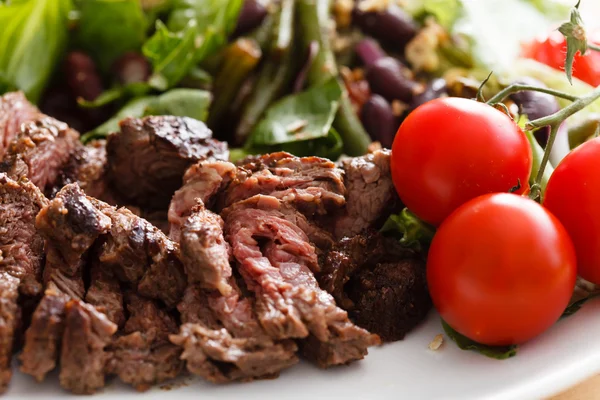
(464, 343)
(109, 28)
(411, 231)
(34, 36)
(191, 103)
(446, 12)
(171, 54)
(300, 124)
(215, 20)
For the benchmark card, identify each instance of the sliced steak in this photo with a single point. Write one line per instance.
(15, 110)
(73, 224)
(276, 260)
(105, 294)
(204, 251)
(40, 151)
(201, 181)
(140, 254)
(83, 357)
(148, 157)
(143, 355)
(87, 167)
(44, 334)
(380, 283)
(21, 254)
(370, 193)
(314, 185)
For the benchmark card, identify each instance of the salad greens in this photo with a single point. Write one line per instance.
(32, 39)
(411, 231)
(128, 27)
(464, 343)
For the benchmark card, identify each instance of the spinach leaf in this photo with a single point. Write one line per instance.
(181, 102)
(32, 40)
(464, 343)
(298, 117)
(171, 54)
(411, 231)
(191, 103)
(109, 28)
(215, 21)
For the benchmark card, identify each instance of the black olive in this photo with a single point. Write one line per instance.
(390, 79)
(379, 120)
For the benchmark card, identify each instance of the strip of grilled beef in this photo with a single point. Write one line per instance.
(277, 263)
(40, 150)
(203, 181)
(105, 293)
(44, 334)
(72, 223)
(87, 167)
(83, 356)
(14, 111)
(21, 255)
(314, 185)
(221, 336)
(370, 197)
(379, 282)
(142, 355)
(148, 157)
(135, 252)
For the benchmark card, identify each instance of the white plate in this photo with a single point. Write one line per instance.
(561, 357)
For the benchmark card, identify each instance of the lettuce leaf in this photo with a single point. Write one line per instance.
(300, 124)
(410, 230)
(464, 343)
(33, 36)
(109, 28)
(215, 21)
(171, 54)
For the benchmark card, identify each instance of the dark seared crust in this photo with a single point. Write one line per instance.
(380, 283)
(14, 111)
(148, 157)
(72, 223)
(40, 151)
(83, 357)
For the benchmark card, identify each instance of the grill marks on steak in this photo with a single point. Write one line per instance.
(43, 146)
(83, 357)
(370, 192)
(148, 157)
(221, 336)
(143, 355)
(201, 181)
(276, 260)
(14, 111)
(379, 282)
(21, 253)
(314, 185)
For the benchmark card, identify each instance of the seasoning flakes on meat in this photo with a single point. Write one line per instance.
(15, 110)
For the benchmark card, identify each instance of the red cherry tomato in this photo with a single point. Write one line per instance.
(501, 269)
(573, 195)
(451, 150)
(552, 51)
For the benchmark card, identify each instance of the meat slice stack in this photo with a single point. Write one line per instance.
(277, 262)
(21, 255)
(148, 157)
(221, 336)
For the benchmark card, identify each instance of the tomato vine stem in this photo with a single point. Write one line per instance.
(518, 87)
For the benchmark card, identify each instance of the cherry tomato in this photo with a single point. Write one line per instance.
(501, 269)
(573, 195)
(552, 51)
(450, 150)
